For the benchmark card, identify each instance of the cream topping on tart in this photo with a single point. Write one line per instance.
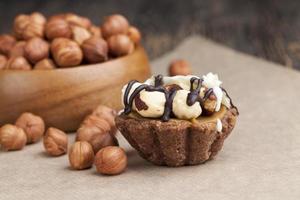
(184, 97)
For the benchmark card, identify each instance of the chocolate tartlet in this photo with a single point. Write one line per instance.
(176, 121)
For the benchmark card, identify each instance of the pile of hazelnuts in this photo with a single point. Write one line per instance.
(65, 40)
(95, 141)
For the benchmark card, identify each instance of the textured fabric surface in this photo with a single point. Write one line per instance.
(260, 159)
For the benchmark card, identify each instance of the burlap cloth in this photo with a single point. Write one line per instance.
(260, 160)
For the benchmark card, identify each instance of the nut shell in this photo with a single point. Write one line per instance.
(66, 52)
(12, 137)
(36, 49)
(114, 24)
(111, 160)
(95, 50)
(18, 63)
(6, 44)
(55, 142)
(33, 126)
(56, 28)
(81, 155)
(120, 45)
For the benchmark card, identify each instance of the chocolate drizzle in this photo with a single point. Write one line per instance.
(231, 104)
(192, 98)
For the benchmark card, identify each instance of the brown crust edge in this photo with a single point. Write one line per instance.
(176, 142)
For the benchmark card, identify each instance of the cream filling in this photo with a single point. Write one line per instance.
(219, 125)
(183, 111)
(156, 100)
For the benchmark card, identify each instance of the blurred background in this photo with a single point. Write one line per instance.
(264, 28)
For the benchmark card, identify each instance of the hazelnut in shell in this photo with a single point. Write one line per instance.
(6, 44)
(95, 31)
(66, 52)
(38, 18)
(96, 131)
(77, 20)
(36, 49)
(179, 67)
(107, 114)
(114, 24)
(18, 49)
(3, 61)
(120, 45)
(80, 34)
(29, 26)
(55, 142)
(95, 50)
(33, 126)
(111, 160)
(18, 63)
(134, 34)
(45, 64)
(81, 155)
(20, 24)
(56, 28)
(12, 137)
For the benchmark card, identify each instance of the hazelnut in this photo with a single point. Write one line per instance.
(209, 105)
(111, 160)
(55, 142)
(12, 137)
(18, 49)
(107, 114)
(57, 16)
(3, 61)
(95, 50)
(114, 24)
(179, 67)
(95, 31)
(66, 52)
(80, 34)
(44, 64)
(120, 45)
(33, 126)
(56, 28)
(76, 20)
(36, 49)
(18, 63)
(38, 18)
(81, 155)
(29, 26)
(20, 24)
(96, 131)
(134, 34)
(6, 44)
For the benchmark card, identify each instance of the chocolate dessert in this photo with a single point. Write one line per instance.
(176, 121)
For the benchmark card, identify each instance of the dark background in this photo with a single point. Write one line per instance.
(265, 28)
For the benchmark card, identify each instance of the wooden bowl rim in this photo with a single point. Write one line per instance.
(138, 49)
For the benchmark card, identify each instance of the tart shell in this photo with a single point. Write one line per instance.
(177, 142)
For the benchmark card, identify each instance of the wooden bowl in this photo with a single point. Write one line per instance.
(63, 97)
